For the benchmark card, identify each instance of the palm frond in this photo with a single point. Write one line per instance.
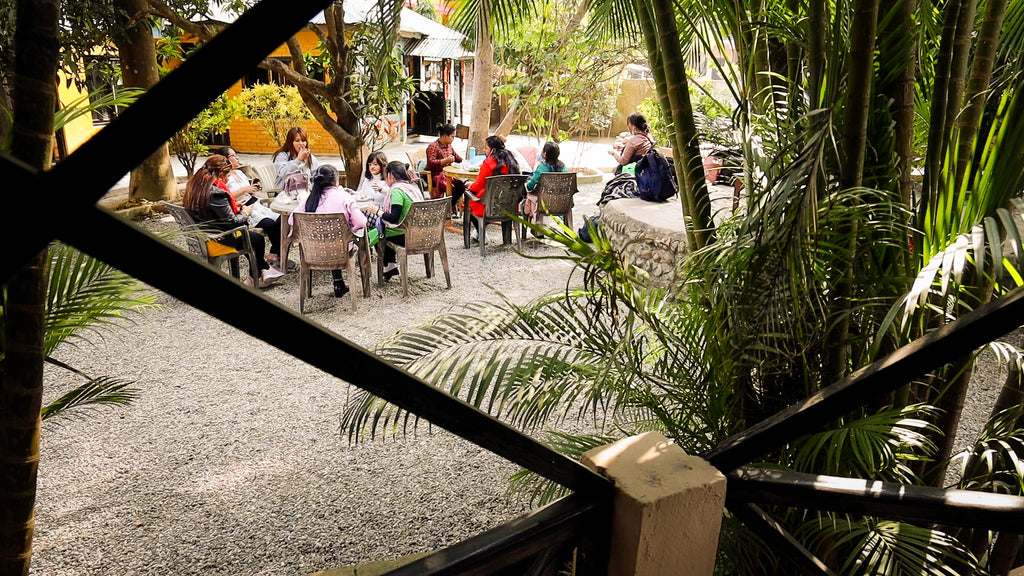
(96, 393)
(880, 547)
(85, 296)
(875, 447)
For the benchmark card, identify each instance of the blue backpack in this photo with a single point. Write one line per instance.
(656, 177)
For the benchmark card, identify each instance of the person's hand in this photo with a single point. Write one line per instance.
(303, 153)
(257, 187)
(451, 160)
(611, 152)
(247, 210)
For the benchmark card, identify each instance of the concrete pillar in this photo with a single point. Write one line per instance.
(668, 507)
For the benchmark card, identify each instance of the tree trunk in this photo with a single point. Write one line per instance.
(978, 84)
(902, 94)
(21, 370)
(937, 119)
(153, 179)
(816, 30)
(483, 80)
(688, 164)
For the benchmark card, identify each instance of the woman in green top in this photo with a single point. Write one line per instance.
(549, 163)
(403, 194)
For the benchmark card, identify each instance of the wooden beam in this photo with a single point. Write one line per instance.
(134, 251)
(81, 179)
(922, 504)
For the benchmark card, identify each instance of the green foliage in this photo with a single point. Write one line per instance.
(190, 142)
(85, 298)
(561, 83)
(377, 83)
(274, 108)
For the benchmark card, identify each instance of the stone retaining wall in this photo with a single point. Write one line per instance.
(650, 236)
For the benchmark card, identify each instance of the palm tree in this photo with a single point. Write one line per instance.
(21, 368)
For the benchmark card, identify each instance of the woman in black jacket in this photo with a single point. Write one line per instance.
(210, 203)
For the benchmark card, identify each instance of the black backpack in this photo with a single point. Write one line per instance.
(656, 177)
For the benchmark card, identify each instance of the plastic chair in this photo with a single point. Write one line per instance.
(423, 227)
(323, 241)
(554, 196)
(501, 199)
(206, 245)
(267, 174)
(426, 178)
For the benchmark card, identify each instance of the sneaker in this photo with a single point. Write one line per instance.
(474, 236)
(390, 271)
(269, 275)
(340, 289)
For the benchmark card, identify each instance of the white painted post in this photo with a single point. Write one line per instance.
(668, 507)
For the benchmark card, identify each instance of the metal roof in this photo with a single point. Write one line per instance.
(438, 48)
(426, 38)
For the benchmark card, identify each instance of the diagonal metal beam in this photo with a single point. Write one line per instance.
(779, 539)
(883, 499)
(953, 340)
(153, 261)
(144, 126)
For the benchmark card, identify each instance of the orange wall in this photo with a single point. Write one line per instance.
(248, 137)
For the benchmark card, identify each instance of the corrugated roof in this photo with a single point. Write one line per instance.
(428, 39)
(440, 48)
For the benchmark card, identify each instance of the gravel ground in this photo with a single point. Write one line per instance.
(232, 461)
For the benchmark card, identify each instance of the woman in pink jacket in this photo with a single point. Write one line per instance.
(327, 197)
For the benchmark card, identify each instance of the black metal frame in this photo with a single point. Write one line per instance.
(544, 534)
(749, 486)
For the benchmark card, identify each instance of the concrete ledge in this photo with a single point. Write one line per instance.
(649, 235)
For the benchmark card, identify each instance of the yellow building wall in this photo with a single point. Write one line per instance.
(81, 129)
(246, 136)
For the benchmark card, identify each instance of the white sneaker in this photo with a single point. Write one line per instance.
(270, 274)
(473, 235)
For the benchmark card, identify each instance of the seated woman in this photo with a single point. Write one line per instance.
(327, 198)
(244, 192)
(440, 154)
(294, 157)
(499, 161)
(549, 163)
(403, 194)
(373, 185)
(208, 201)
(638, 143)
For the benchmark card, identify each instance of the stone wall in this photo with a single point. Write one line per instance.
(649, 235)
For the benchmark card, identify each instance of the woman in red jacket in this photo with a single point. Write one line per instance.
(499, 161)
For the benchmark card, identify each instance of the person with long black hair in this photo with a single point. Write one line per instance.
(499, 161)
(403, 194)
(549, 163)
(326, 197)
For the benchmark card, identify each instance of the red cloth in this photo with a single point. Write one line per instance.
(224, 186)
(479, 186)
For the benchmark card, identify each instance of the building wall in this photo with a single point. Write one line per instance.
(81, 129)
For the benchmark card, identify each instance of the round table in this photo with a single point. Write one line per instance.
(452, 172)
(283, 206)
